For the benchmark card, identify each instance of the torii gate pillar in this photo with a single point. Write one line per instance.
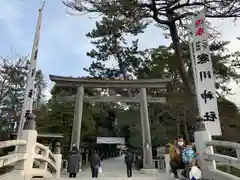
(146, 134)
(77, 120)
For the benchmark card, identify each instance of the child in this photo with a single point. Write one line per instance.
(188, 155)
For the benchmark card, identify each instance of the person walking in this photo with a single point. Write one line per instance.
(94, 164)
(129, 162)
(74, 159)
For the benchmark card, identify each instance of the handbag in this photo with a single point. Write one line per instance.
(100, 170)
(195, 173)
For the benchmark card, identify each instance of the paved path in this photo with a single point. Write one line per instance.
(115, 169)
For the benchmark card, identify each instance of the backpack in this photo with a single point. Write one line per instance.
(129, 157)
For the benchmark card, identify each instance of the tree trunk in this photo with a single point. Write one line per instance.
(180, 67)
(185, 126)
(178, 127)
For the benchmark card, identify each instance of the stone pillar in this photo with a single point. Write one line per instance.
(201, 136)
(238, 156)
(146, 134)
(44, 164)
(77, 121)
(64, 166)
(87, 156)
(167, 160)
(29, 134)
(58, 159)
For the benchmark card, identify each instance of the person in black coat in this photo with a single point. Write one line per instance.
(74, 159)
(94, 164)
(129, 162)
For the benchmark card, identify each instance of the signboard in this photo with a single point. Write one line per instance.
(121, 146)
(161, 151)
(110, 140)
(204, 77)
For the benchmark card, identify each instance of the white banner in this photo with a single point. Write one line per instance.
(110, 140)
(121, 146)
(29, 92)
(204, 77)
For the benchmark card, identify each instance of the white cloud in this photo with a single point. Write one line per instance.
(229, 30)
(47, 94)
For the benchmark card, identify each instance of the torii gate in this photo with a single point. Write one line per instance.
(142, 98)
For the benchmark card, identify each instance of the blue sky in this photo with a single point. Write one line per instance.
(63, 44)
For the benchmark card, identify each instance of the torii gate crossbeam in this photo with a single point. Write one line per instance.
(80, 83)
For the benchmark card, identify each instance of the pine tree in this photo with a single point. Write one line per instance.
(13, 79)
(168, 14)
(40, 86)
(109, 37)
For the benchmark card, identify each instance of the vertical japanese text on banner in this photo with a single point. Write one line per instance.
(205, 85)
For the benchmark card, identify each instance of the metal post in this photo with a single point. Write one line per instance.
(146, 135)
(77, 121)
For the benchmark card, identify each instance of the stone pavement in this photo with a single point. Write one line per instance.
(115, 169)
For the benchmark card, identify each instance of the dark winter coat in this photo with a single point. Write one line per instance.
(74, 159)
(94, 160)
(129, 158)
